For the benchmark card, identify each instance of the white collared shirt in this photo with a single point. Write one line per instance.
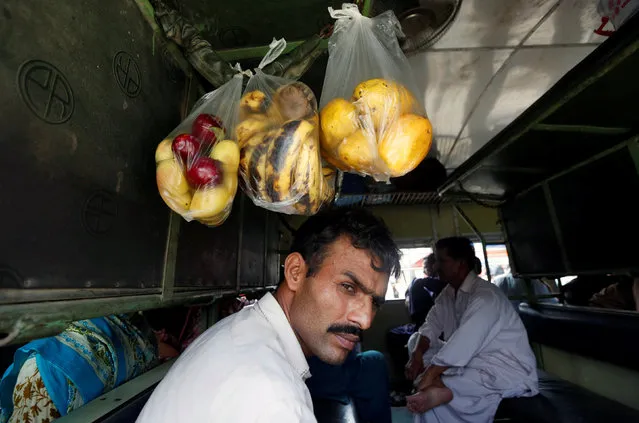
(248, 367)
(482, 331)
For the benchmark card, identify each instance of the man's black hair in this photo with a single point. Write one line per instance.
(477, 265)
(458, 248)
(364, 230)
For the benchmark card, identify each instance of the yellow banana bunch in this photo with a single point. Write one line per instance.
(280, 161)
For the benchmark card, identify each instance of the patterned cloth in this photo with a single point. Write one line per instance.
(52, 376)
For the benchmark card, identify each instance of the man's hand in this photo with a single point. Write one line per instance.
(416, 363)
(415, 366)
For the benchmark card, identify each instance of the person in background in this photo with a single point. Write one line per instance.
(581, 289)
(363, 378)
(477, 267)
(432, 282)
(50, 377)
(622, 295)
(252, 366)
(419, 300)
(499, 270)
(473, 349)
(516, 287)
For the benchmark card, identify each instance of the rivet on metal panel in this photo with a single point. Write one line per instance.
(234, 36)
(46, 91)
(127, 73)
(99, 212)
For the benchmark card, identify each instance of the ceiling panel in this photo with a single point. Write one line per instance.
(573, 22)
(528, 74)
(452, 82)
(493, 23)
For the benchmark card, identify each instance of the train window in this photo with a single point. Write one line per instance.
(412, 263)
(497, 259)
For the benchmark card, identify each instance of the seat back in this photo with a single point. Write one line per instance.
(606, 335)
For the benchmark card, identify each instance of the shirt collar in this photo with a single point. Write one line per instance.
(274, 314)
(468, 282)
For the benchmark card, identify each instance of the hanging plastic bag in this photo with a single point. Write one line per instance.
(280, 163)
(371, 121)
(197, 163)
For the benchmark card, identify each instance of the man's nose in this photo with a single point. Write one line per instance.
(362, 314)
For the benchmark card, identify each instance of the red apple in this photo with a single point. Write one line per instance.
(186, 147)
(204, 171)
(203, 128)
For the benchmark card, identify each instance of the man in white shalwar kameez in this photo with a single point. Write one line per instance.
(483, 355)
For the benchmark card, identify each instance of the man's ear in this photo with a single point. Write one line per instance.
(294, 271)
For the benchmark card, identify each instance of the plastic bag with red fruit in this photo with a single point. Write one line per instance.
(280, 165)
(197, 163)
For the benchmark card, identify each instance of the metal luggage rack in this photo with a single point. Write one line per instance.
(399, 198)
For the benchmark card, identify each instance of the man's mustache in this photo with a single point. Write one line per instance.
(347, 329)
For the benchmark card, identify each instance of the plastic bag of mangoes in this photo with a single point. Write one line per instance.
(280, 163)
(197, 163)
(372, 121)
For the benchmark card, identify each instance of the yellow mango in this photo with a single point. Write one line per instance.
(408, 103)
(357, 152)
(338, 120)
(406, 143)
(380, 100)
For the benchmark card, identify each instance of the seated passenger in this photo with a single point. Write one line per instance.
(622, 295)
(432, 282)
(53, 376)
(419, 300)
(363, 378)
(252, 366)
(473, 349)
(516, 287)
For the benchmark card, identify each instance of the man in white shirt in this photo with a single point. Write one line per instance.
(483, 355)
(251, 366)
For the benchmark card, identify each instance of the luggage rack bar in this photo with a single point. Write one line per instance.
(399, 199)
(26, 321)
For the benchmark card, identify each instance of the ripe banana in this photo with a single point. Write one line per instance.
(253, 163)
(315, 179)
(253, 125)
(302, 178)
(252, 102)
(284, 164)
(283, 156)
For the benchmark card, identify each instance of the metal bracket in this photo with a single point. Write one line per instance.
(556, 226)
(479, 235)
(170, 256)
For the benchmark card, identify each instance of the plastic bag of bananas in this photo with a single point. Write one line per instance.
(371, 122)
(197, 163)
(280, 164)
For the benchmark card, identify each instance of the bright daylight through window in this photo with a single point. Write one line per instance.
(413, 266)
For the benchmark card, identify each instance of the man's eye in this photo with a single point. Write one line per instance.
(348, 288)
